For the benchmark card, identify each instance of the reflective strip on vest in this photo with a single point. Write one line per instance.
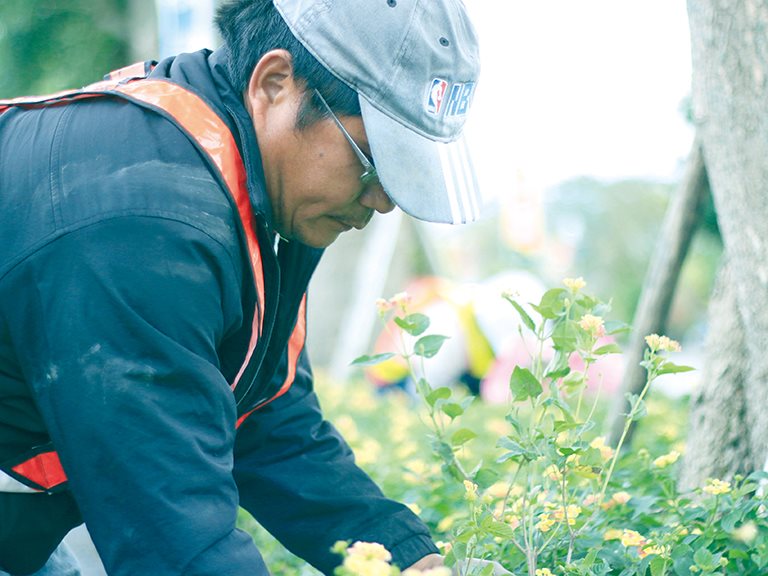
(204, 126)
(44, 470)
(295, 346)
(194, 116)
(10, 484)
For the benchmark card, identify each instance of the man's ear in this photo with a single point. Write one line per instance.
(272, 82)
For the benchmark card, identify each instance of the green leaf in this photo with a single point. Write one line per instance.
(496, 528)
(486, 477)
(573, 381)
(452, 410)
(558, 366)
(616, 327)
(442, 393)
(552, 303)
(366, 360)
(413, 324)
(487, 571)
(637, 408)
(428, 346)
(704, 559)
(424, 388)
(589, 559)
(466, 401)
(607, 349)
(671, 368)
(514, 450)
(565, 336)
(462, 436)
(523, 314)
(524, 384)
(658, 566)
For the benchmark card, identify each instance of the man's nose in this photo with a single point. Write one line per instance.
(375, 198)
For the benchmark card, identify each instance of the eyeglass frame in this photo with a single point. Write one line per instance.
(370, 175)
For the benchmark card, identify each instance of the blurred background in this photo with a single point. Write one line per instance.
(580, 132)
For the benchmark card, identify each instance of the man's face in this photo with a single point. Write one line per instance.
(314, 183)
(313, 174)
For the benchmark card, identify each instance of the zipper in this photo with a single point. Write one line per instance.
(268, 311)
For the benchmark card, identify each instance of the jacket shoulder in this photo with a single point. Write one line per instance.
(99, 158)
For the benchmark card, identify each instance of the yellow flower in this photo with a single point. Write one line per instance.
(545, 523)
(415, 508)
(368, 452)
(621, 497)
(669, 345)
(346, 425)
(666, 459)
(369, 551)
(471, 488)
(649, 548)
(513, 521)
(663, 343)
(553, 473)
(498, 490)
(717, 487)
(544, 572)
(383, 306)
(360, 566)
(746, 533)
(574, 284)
(613, 534)
(606, 452)
(593, 325)
(445, 524)
(653, 341)
(632, 538)
(590, 499)
(401, 299)
(572, 510)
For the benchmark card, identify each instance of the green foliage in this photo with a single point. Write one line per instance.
(531, 485)
(613, 228)
(47, 45)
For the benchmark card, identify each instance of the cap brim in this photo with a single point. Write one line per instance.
(430, 180)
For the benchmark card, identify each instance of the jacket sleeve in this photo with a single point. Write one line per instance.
(298, 478)
(116, 327)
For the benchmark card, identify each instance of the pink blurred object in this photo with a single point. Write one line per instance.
(604, 374)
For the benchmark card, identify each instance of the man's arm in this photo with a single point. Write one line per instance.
(298, 478)
(116, 327)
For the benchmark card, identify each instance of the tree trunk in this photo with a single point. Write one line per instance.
(680, 222)
(719, 405)
(730, 104)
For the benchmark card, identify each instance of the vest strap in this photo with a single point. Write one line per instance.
(39, 469)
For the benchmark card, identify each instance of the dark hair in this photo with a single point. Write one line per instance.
(250, 29)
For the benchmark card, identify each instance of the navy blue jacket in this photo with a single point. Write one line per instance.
(126, 300)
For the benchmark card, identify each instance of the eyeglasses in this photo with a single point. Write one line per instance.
(368, 177)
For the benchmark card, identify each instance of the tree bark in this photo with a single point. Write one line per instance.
(719, 404)
(730, 104)
(680, 222)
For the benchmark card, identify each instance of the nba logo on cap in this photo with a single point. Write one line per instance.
(436, 95)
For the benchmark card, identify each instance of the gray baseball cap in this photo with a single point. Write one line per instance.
(414, 65)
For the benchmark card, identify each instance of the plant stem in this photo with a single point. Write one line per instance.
(627, 424)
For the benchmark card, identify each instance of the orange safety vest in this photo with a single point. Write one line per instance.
(41, 468)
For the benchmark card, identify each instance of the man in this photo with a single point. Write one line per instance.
(158, 237)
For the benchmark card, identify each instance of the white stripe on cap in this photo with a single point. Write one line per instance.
(450, 184)
(469, 179)
(459, 164)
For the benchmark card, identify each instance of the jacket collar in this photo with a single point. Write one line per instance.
(206, 73)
